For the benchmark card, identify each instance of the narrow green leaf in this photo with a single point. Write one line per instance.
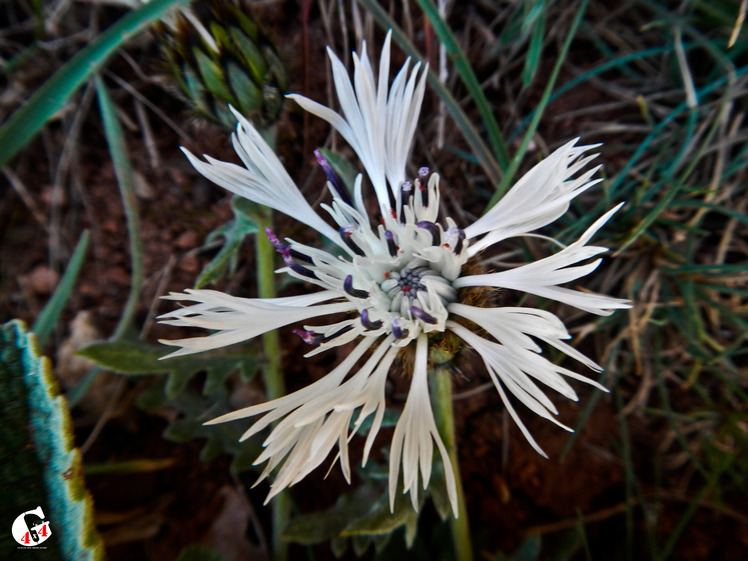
(50, 315)
(462, 65)
(126, 183)
(50, 98)
(481, 152)
(542, 104)
(535, 48)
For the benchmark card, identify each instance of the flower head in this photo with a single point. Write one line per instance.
(399, 279)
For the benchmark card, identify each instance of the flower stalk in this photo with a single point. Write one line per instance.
(440, 378)
(275, 386)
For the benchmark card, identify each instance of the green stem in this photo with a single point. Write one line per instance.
(272, 375)
(441, 399)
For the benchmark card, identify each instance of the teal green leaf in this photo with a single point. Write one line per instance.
(126, 357)
(39, 463)
(233, 233)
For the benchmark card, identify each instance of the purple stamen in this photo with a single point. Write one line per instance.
(397, 329)
(280, 247)
(309, 337)
(345, 235)
(436, 238)
(332, 178)
(294, 266)
(460, 239)
(367, 323)
(348, 287)
(340, 332)
(391, 245)
(423, 316)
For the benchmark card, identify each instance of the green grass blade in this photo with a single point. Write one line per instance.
(458, 58)
(482, 153)
(125, 181)
(542, 104)
(47, 320)
(535, 48)
(49, 99)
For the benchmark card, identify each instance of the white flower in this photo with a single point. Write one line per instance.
(399, 278)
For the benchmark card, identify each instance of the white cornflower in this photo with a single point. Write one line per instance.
(398, 278)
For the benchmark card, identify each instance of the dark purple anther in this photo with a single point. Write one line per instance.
(433, 229)
(406, 193)
(367, 323)
(423, 316)
(332, 178)
(460, 239)
(423, 173)
(279, 245)
(348, 287)
(397, 329)
(345, 235)
(309, 337)
(340, 332)
(294, 266)
(391, 245)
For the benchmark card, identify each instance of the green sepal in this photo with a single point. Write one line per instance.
(247, 96)
(39, 463)
(233, 233)
(127, 357)
(251, 54)
(212, 77)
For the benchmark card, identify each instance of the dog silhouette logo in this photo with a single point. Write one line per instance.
(31, 528)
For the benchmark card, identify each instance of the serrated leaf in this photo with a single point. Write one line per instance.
(323, 526)
(127, 357)
(45, 470)
(195, 409)
(381, 521)
(233, 233)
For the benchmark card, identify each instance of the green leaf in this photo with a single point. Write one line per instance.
(39, 464)
(199, 552)
(536, 43)
(234, 233)
(54, 94)
(126, 183)
(126, 357)
(50, 315)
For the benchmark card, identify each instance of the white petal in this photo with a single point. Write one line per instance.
(415, 434)
(264, 180)
(541, 196)
(239, 319)
(541, 277)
